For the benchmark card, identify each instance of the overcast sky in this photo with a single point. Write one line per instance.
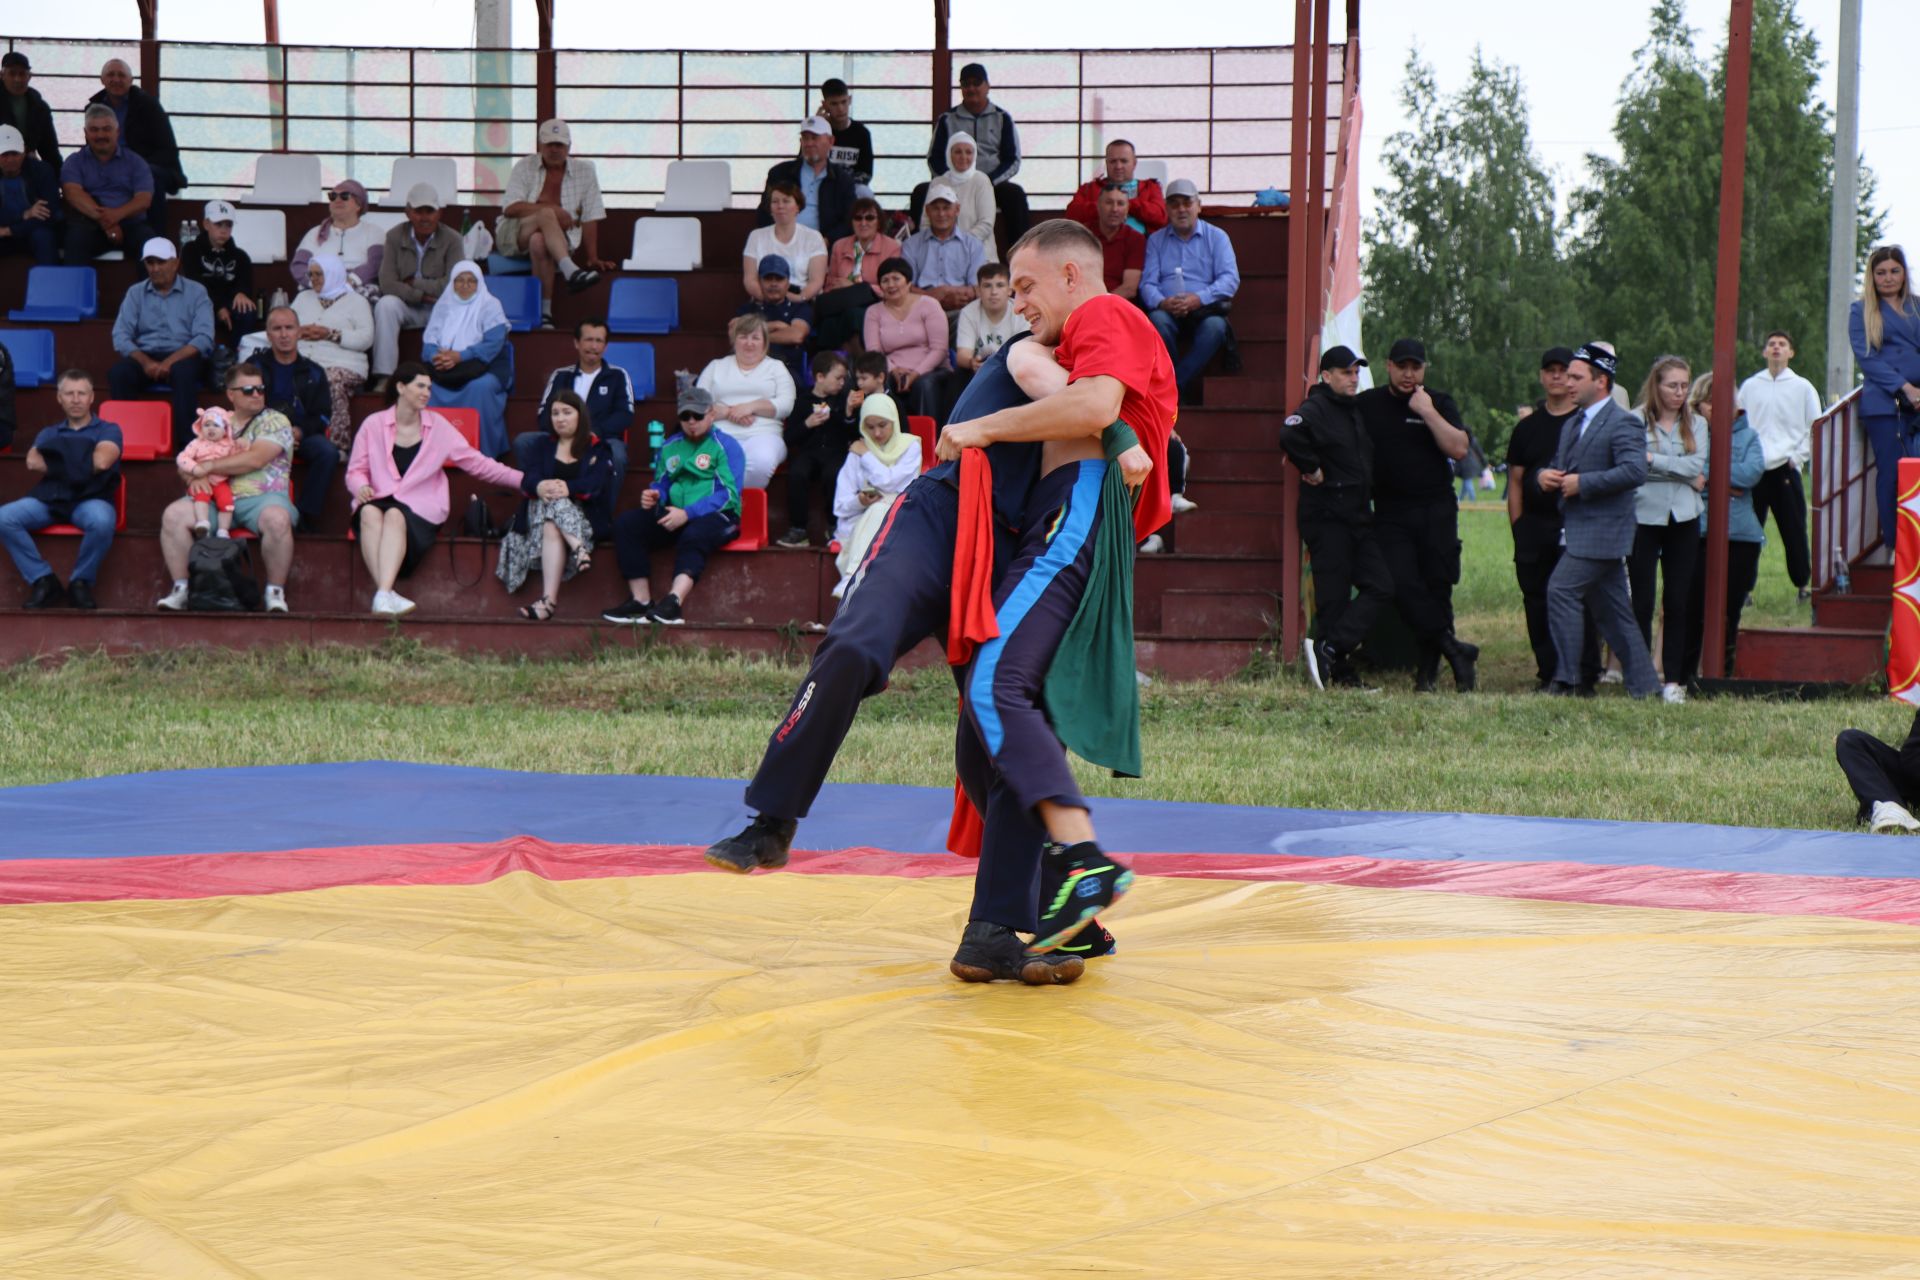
(1573, 64)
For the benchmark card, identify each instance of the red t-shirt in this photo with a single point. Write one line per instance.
(1110, 336)
(1127, 251)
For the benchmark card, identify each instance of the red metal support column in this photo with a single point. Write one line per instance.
(150, 46)
(1726, 301)
(1317, 190)
(546, 75)
(1295, 369)
(942, 76)
(273, 21)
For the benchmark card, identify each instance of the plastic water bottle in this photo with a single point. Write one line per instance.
(1179, 281)
(189, 232)
(1842, 580)
(279, 299)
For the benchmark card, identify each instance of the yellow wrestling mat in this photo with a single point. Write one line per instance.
(694, 1076)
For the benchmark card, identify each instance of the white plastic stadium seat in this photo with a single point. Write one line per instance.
(262, 233)
(284, 179)
(385, 219)
(1155, 169)
(697, 186)
(665, 244)
(438, 172)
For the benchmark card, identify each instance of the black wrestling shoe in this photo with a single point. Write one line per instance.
(763, 844)
(990, 952)
(1093, 883)
(1092, 942)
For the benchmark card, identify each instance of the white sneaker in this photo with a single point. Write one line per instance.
(400, 605)
(276, 599)
(175, 599)
(382, 603)
(1183, 504)
(1673, 693)
(1153, 546)
(1610, 676)
(1890, 819)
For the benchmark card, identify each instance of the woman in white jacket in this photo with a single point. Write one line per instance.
(879, 467)
(336, 331)
(975, 189)
(752, 396)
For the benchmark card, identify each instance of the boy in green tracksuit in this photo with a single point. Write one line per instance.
(693, 506)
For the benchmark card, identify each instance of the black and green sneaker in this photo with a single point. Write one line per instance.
(1092, 883)
(1092, 942)
(763, 845)
(990, 952)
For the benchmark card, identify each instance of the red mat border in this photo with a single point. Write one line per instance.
(178, 876)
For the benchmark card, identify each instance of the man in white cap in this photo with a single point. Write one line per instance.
(164, 334)
(552, 208)
(946, 261)
(828, 190)
(415, 268)
(215, 261)
(29, 201)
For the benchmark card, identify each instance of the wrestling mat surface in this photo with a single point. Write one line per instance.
(381, 1020)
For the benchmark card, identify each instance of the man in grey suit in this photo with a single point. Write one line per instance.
(1601, 463)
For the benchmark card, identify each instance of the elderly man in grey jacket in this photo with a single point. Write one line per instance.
(1601, 464)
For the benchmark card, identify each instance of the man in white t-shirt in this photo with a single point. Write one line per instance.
(1782, 407)
(981, 328)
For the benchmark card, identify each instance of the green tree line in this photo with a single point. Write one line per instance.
(1468, 253)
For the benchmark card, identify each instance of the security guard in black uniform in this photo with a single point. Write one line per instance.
(1417, 436)
(1327, 441)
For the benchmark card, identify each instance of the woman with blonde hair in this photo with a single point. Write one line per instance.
(1668, 509)
(752, 396)
(1884, 328)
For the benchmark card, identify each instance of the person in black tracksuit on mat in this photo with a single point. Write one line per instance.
(1885, 779)
(900, 596)
(1327, 440)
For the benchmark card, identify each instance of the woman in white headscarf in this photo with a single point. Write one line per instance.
(975, 189)
(466, 347)
(336, 331)
(879, 467)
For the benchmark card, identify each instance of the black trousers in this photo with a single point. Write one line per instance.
(1781, 492)
(637, 534)
(1420, 541)
(1673, 548)
(128, 382)
(1743, 570)
(1874, 771)
(807, 470)
(1351, 584)
(1532, 576)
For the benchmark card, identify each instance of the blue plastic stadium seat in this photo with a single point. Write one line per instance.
(499, 264)
(644, 306)
(32, 351)
(519, 297)
(59, 295)
(637, 359)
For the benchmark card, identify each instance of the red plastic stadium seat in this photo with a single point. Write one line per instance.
(146, 427)
(119, 515)
(467, 420)
(924, 427)
(753, 522)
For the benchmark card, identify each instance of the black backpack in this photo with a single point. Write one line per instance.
(220, 577)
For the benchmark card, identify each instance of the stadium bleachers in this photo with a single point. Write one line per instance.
(1198, 609)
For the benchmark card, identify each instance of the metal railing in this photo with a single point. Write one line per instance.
(1220, 117)
(1845, 513)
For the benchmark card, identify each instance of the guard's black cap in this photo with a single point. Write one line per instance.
(1408, 349)
(1339, 358)
(1562, 356)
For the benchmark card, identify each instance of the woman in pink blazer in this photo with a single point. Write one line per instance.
(398, 480)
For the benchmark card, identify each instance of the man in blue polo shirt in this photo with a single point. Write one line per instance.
(946, 261)
(108, 190)
(163, 334)
(78, 462)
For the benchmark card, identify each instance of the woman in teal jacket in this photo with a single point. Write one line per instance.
(1747, 462)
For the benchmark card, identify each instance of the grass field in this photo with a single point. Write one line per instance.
(1267, 738)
